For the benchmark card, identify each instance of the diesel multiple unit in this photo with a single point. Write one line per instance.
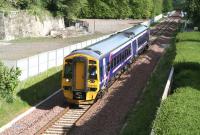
(89, 71)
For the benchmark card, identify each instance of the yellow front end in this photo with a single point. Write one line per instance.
(80, 79)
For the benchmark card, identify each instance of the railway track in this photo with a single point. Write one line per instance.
(163, 27)
(66, 120)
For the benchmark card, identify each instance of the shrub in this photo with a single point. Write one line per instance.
(22, 4)
(8, 82)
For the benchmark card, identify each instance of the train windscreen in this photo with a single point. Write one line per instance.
(68, 71)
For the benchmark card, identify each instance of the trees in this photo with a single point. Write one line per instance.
(72, 9)
(99, 9)
(141, 8)
(167, 5)
(192, 8)
(179, 4)
(123, 9)
(157, 7)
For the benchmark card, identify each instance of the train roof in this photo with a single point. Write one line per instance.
(103, 47)
(109, 44)
(137, 29)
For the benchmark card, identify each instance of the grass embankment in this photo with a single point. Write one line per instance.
(140, 119)
(180, 112)
(29, 93)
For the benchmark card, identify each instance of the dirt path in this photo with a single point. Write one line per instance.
(107, 116)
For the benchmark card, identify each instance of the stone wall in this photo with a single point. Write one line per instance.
(17, 24)
(2, 28)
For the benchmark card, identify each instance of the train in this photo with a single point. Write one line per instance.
(89, 71)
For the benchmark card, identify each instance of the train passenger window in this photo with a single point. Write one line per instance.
(123, 56)
(115, 62)
(118, 59)
(92, 72)
(120, 56)
(108, 67)
(101, 71)
(68, 71)
(129, 51)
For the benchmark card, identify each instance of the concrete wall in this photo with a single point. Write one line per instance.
(109, 25)
(17, 24)
(2, 28)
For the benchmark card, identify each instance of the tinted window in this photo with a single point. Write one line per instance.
(111, 64)
(118, 59)
(101, 71)
(115, 62)
(68, 71)
(92, 72)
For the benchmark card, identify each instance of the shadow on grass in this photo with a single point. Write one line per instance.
(42, 90)
(188, 40)
(187, 74)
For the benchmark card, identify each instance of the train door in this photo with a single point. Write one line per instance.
(80, 73)
(104, 72)
(134, 46)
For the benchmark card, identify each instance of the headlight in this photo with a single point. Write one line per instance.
(67, 80)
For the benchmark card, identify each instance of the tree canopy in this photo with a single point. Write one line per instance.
(192, 7)
(95, 8)
(167, 5)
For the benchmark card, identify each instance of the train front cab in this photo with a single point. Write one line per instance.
(80, 79)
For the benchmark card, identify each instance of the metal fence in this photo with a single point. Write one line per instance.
(37, 64)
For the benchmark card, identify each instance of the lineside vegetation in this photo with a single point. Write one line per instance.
(30, 92)
(140, 118)
(180, 112)
(8, 82)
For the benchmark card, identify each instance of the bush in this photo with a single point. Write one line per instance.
(9, 81)
(22, 4)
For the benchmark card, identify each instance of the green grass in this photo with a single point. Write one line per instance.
(188, 36)
(180, 113)
(139, 121)
(29, 93)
